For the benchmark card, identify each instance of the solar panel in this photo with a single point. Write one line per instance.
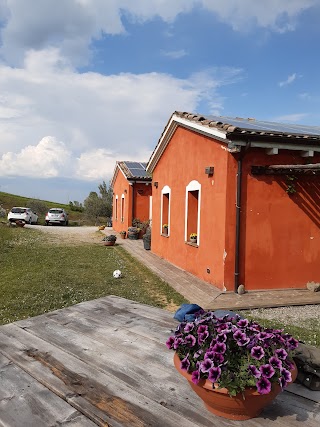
(257, 125)
(137, 169)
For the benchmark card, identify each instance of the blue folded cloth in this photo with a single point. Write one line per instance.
(186, 312)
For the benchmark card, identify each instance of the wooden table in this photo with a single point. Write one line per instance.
(104, 362)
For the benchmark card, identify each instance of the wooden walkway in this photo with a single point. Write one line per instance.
(207, 296)
(104, 362)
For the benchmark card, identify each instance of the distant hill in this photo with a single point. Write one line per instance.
(7, 201)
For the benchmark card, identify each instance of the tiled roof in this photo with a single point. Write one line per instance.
(134, 170)
(237, 127)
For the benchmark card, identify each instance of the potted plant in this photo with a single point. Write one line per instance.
(235, 365)
(147, 239)
(133, 233)
(165, 229)
(101, 227)
(193, 237)
(109, 240)
(123, 234)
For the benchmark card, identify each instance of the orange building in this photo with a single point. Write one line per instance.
(250, 190)
(131, 194)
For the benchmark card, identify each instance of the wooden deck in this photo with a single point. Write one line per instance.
(104, 362)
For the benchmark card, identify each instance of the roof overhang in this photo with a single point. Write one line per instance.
(169, 130)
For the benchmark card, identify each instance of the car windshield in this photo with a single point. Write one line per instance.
(18, 210)
(56, 211)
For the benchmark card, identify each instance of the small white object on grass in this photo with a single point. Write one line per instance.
(117, 274)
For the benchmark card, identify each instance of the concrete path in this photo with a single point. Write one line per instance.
(208, 296)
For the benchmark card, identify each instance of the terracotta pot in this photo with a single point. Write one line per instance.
(123, 236)
(106, 243)
(240, 407)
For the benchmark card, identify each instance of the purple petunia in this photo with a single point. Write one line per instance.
(195, 377)
(220, 347)
(170, 342)
(263, 385)
(177, 342)
(189, 327)
(257, 352)
(243, 323)
(275, 362)
(202, 329)
(254, 371)
(281, 353)
(233, 353)
(286, 375)
(206, 365)
(214, 374)
(185, 364)
(267, 371)
(292, 343)
(190, 340)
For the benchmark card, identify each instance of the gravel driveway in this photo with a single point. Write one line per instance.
(70, 234)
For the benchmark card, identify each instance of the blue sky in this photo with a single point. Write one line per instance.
(84, 83)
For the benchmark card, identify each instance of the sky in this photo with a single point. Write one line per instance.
(84, 83)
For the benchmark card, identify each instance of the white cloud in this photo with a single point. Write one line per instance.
(43, 160)
(289, 80)
(73, 24)
(99, 118)
(175, 54)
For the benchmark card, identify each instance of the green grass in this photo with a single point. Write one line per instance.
(38, 275)
(7, 201)
(309, 333)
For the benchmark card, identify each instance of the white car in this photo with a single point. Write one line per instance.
(22, 214)
(57, 216)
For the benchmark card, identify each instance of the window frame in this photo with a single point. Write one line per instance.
(192, 186)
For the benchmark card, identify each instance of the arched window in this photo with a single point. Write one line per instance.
(165, 208)
(116, 207)
(192, 214)
(122, 208)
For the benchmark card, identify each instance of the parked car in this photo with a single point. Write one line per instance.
(57, 216)
(22, 214)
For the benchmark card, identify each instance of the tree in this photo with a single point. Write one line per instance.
(106, 195)
(37, 206)
(99, 205)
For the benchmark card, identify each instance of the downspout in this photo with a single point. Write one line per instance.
(238, 216)
(133, 204)
(238, 212)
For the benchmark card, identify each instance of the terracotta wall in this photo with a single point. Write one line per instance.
(121, 186)
(184, 160)
(142, 193)
(136, 202)
(280, 234)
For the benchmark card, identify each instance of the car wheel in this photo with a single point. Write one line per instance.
(30, 221)
(67, 222)
(47, 223)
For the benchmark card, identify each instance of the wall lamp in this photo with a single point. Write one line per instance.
(125, 191)
(156, 184)
(209, 170)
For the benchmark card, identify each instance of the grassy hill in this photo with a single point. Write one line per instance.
(7, 201)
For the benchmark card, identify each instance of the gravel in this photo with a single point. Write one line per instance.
(290, 315)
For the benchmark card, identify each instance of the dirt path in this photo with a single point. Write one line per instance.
(70, 235)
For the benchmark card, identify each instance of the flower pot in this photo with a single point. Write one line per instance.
(106, 243)
(240, 407)
(147, 244)
(123, 236)
(133, 236)
(165, 231)
(193, 240)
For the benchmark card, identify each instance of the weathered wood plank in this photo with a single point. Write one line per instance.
(109, 399)
(107, 359)
(25, 402)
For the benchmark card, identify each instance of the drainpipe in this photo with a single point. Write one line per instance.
(238, 215)
(238, 211)
(133, 206)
